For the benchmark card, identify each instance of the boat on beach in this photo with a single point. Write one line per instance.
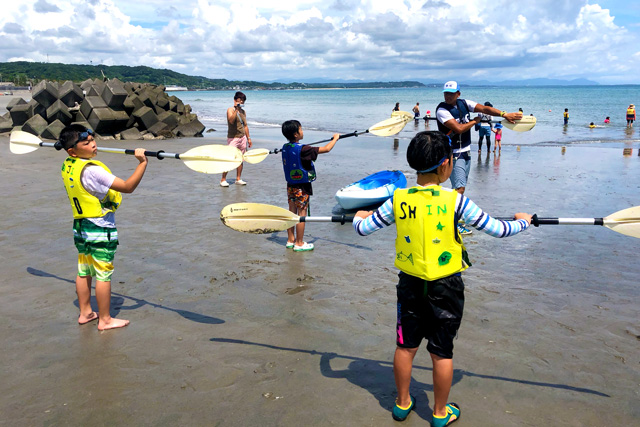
(372, 190)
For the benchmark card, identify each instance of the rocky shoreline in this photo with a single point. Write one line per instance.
(111, 108)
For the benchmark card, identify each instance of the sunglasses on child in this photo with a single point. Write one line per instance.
(85, 135)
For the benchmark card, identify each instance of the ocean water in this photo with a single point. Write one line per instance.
(324, 112)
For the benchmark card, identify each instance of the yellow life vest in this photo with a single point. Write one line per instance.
(427, 244)
(631, 111)
(83, 203)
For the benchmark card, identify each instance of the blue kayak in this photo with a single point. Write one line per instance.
(374, 189)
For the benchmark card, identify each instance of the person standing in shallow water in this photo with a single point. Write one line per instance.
(237, 133)
(416, 111)
(485, 129)
(631, 115)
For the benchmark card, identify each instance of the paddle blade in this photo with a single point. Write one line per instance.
(23, 142)
(390, 126)
(257, 218)
(524, 124)
(256, 155)
(404, 114)
(626, 221)
(632, 213)
(212, 158)
(628, 228)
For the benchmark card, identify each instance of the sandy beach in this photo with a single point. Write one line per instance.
(233, 329)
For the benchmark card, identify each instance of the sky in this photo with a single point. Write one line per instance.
(368, 40)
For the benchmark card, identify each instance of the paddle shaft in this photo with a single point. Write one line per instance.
(535, 221)
(158, 154)
(346, 135)
(342, 219)
(481, 121)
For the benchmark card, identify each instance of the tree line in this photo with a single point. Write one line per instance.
(23, 73)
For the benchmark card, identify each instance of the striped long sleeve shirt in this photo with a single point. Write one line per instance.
(465, 210)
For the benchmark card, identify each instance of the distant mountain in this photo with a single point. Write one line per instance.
(315, 80)
(525, 82)
(319, 82)
(549, 82)
(23, 72)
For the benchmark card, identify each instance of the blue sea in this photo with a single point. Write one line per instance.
(324, 112)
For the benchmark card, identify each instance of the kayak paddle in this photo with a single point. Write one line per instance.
(386, 127)
(205, 158)
(258, 218)
(525, 124)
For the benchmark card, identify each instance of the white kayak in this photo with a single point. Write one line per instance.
(372, 190)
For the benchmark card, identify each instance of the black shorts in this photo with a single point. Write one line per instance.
(431, 310)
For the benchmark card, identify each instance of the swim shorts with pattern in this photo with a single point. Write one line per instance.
(298, 196)
(96, 249)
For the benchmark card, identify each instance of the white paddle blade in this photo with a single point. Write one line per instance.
(257, 218)
(390, 126)
(632, 213)
(23, 142)
(212, 158)
(405, 114)
(256, 155)
(626, 227)
(524, 124)
(626, 221)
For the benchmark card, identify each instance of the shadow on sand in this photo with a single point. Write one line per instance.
(117, 301)
(366, 373)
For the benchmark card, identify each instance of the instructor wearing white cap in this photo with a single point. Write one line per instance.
(454, 120)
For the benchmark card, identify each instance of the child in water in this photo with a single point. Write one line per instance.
(606, 121)
(431, 255)
(498, 131)
(592, 125)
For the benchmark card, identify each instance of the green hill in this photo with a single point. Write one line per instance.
(22, 72)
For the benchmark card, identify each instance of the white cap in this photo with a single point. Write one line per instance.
(451, 86)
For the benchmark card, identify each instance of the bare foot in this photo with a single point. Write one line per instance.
(83, 320)
(112, 324)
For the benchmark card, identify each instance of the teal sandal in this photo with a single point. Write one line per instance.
(400, 414)
(453, 414)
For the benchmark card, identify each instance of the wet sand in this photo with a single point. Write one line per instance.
(233, 329)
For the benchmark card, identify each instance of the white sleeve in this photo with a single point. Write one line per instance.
(471, 105)
(96, 180)
(443, 115)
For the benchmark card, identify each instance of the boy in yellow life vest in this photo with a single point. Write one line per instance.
(94, 194)
(430, 256)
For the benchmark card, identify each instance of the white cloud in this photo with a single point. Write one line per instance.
(361, 39)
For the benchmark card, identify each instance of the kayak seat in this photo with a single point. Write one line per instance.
(374, 183)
